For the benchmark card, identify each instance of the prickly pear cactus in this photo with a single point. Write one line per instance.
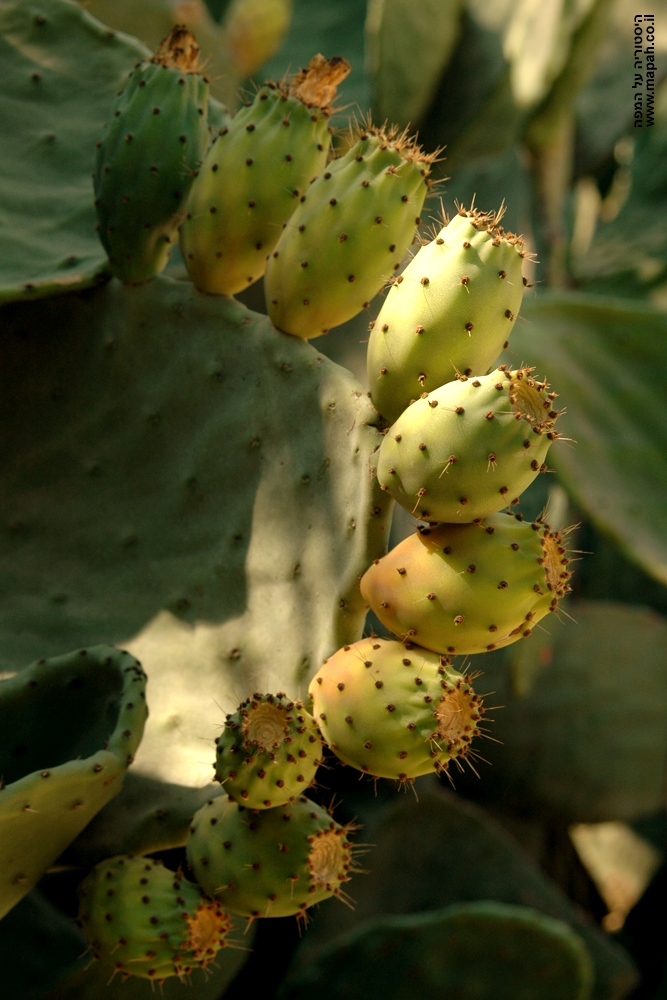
(450, 313)
(469, 448)
(394, 710)
(151, 150)
(272, 863)
(268, 753)
(349, 232)
(254, 175)
(57, 776)
(145, 921)
(470, 588)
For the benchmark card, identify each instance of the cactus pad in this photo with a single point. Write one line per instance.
(469, 951)
(153, 144)
(69, 729)
(218, 499)
(348, 234)
(269, 752)
(469, 448)
(393, 710)
(253, 176)
(469, 588)
(272, 863)
(146, 921)
(451, 314)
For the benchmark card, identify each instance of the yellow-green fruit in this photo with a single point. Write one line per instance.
(348, 234)
(469, 448)
(451, 313)
(268, 752)
(394, 710)
(468, 588)
(273, 863)
(254, 175)
(146, 921)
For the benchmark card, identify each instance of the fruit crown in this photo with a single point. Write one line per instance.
(179, 50)
(315, 86)
(392, 137)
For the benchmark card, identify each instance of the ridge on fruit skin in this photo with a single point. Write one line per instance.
(149, 156)
(253, 176)
(147, 921)
(469, 448)
(348, 233)
(451, 313)
(469, 588)
(269, 863)
(394, 710)
(268, 752)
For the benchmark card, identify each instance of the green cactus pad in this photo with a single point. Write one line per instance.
(146, 921)
(394, 710)
(153, 144)
(473, 951)
(272, 863)
(348, 234)
(69, 729)
(452, 313)
(469, 448)
(217, 503)
(253, 176)
(469, 588)
(59, 72)
(269, 752)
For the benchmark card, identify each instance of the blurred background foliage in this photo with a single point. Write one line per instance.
(532, 103)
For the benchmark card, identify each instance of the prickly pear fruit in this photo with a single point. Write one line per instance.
(452, 311)
(147, 161)
(254, 175)
(469, 448)
(394, 710)
(348, 234)
(269, 751)
(468, 588)
(146, 921)
(273, 863)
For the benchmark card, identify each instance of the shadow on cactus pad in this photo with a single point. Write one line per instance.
(472, 951)
(69, 728)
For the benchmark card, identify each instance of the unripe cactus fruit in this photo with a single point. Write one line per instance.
(269, 751)
(393, 710)
(469, 448)
(147, 161)
(468, 588)
(273, 863)
(254, 175)
(451, 314)
(348, 234)
(147, 921)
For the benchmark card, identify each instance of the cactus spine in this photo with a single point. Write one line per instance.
(147, 161)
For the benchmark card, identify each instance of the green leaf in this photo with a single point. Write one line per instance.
(606, 357)
(177, 471)
(408, 46)
(469, 951)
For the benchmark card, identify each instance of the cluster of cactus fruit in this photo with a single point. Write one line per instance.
(327, 231)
